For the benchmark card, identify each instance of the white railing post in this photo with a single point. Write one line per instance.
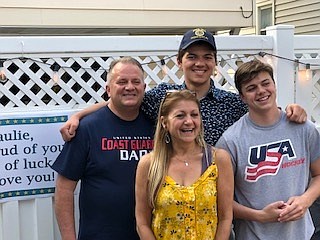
(284, 70)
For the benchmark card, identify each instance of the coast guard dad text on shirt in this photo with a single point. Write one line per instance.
(129, 148)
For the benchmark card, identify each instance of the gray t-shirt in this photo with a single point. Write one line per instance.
(271, 164)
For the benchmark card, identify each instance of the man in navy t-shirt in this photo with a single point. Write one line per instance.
(103, 157)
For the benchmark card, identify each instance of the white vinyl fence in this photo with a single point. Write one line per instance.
(30, 64)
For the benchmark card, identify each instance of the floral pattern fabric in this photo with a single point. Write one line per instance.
(187, 212)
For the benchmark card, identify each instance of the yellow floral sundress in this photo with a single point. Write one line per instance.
(187, 213)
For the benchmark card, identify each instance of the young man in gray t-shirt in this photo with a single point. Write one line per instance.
(273, 160)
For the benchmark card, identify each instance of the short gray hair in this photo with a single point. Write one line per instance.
(124, 60)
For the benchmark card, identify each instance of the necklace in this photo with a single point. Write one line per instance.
(184, 161)
(187, 156)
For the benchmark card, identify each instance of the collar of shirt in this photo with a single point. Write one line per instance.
(212, 92)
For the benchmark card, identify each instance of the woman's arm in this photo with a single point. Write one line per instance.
(68, 130)
(225, 189)
(143, 209)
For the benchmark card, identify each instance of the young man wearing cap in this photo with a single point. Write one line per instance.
(197, 57)
(273, 161)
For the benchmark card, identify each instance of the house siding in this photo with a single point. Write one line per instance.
(303, 14)
(148, 15)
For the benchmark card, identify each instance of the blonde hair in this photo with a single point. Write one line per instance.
(162, 151)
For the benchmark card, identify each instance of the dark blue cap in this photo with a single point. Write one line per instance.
(196, 35)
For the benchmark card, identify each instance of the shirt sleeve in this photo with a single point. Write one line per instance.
(71, 162)
(152, 100)
(314, 142)
(223, 144)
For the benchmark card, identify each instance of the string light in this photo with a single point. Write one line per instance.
(55, 76)
(267, 57)
(163, 67)
(215, 72)
(3, 77)
(308, 72)
(304, 73)
(269, 60)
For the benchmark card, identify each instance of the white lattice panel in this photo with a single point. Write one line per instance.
(81, 79)
(313, 56)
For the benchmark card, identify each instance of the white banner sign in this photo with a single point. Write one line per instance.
(28, 146)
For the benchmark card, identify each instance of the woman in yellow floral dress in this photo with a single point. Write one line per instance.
(184, 187)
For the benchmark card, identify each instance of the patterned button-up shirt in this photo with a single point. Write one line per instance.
(219, 108)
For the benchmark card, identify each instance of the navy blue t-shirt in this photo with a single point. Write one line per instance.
(104, 156)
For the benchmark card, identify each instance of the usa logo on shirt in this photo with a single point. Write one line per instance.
(266, 159)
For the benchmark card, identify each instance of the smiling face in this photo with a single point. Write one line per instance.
(183, 121)
(198, 64)
(126, 87)
(259, 93)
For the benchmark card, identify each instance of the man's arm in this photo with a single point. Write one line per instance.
(298, 205)
(269, 213)
(64, 207)
(295, 113)
(149, 106)
(68, 130)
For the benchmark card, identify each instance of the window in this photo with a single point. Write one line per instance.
(264, 18)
